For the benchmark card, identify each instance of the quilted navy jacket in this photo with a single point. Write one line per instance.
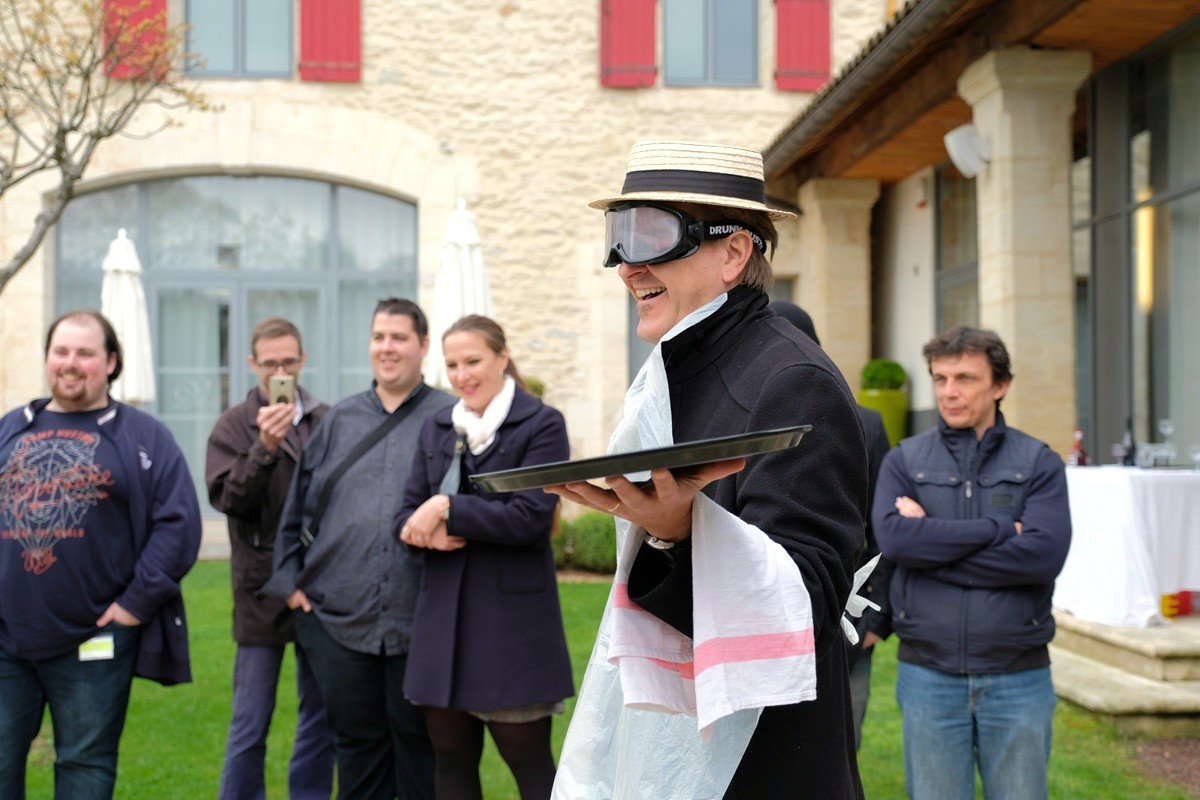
(969, 594)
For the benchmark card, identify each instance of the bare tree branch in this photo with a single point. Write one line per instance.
(72, 74)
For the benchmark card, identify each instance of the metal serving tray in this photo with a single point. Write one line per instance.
(687, 454)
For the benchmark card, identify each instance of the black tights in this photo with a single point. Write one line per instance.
(458, 745)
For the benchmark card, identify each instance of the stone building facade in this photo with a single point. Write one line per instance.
(500, 104)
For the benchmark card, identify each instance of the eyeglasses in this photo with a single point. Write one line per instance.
(646, 233)
(288, 364)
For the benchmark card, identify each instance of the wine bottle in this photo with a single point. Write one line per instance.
(1127, 442)
(1078, 455)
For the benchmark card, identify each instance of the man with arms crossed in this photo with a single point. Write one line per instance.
(975, 515)
(352, 584)
(252, 454)
(98, 525)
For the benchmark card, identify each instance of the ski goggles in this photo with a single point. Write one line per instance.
(646, 233)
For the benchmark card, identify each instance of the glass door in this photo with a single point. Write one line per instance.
(202, 340)
(302, 305)
(192, 351)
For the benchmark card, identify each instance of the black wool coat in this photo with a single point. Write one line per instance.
(488, 630)
(745, 369)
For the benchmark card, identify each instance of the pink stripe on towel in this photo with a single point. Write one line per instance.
(686, 669)
(755, 647)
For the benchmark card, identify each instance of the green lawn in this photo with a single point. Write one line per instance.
(174, 739)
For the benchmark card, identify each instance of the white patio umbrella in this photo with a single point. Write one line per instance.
(462, 286)
(123, 301)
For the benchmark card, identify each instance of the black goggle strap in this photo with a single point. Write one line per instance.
(707, 229)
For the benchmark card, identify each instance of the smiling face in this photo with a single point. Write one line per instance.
(396, 352)
(965, 391)
(476, 371)
(668, 292)
(77, 367)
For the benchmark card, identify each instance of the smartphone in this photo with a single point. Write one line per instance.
(281, 389)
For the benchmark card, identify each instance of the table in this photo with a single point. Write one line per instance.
(1136, 537)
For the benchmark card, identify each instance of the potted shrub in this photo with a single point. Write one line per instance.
(882, 387)
(535, 385)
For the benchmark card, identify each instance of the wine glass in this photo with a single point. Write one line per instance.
(1167, 449)
(1119, 452)
(1145, 455)
(1194, 454)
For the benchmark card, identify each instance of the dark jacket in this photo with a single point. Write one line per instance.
(876, 588)
(488, 630)
(361, 581)
(744, 369)
(164, 518)
(250, 488)
(969, 594)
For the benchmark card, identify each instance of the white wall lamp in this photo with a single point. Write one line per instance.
(969, 151)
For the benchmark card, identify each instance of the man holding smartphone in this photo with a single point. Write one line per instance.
(252, 453)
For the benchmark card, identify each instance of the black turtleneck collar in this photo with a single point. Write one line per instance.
(708, 336)
(962, 442)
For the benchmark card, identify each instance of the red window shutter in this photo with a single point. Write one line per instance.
(135, 35)
(627, 43)
(802, 44)
(331, 40)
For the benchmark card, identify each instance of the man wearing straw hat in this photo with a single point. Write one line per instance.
(719, 670)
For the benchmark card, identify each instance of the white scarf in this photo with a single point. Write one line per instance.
(481, 430)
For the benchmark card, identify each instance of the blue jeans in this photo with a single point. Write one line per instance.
(255, 679)
(953, 723)
(87, 700)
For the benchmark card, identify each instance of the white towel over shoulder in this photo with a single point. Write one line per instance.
(753, 645)
(752, 615)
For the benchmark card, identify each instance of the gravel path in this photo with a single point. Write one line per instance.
(1174, 760)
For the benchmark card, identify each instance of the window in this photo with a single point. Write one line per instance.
(710, 42)
(219, 253)
(1141, 234)
(251, 38)
(784, 288)
(957, 251)
(1164, 197)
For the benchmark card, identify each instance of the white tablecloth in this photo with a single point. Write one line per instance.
(1136, 537)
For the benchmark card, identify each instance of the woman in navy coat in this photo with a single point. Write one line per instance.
(488, 647)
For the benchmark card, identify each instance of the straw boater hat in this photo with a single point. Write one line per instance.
(689, 172)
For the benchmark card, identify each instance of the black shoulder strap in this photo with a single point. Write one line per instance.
(370, 440)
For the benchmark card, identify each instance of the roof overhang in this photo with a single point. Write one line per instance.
(885, 114)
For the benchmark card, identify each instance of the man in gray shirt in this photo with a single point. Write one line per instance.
(354, 586)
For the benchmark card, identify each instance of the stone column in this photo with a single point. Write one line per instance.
(1022, 101)
(835, 267)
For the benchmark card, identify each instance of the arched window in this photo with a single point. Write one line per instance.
(219, 253)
